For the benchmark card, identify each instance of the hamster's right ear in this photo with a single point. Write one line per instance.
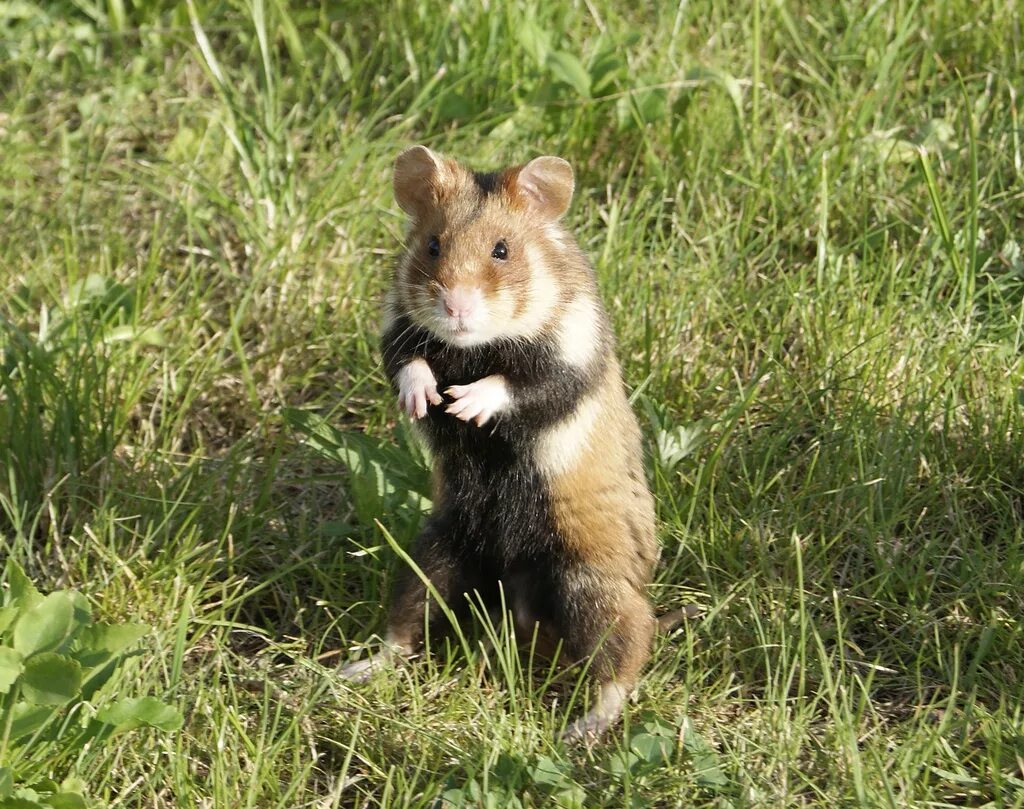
(419, 177)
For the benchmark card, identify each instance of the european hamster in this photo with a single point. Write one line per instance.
(498, 346)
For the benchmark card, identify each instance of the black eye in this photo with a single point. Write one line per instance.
(434, 247)
(500, 250)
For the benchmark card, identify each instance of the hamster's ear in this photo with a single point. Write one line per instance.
(545, 184)
(418, 179)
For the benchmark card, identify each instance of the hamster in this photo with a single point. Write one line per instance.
(499, 348)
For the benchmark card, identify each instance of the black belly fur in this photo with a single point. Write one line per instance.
(496, 509)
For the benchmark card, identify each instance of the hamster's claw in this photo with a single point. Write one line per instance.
(589, 727)
(414, 402)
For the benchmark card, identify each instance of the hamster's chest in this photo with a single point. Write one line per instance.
(503, 441)
(497, 443)
(452, 366)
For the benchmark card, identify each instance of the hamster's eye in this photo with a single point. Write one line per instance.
(500, 250)
(434, 247)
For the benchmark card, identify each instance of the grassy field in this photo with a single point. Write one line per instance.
(807, 223)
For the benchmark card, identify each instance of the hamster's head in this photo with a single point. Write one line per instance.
(486, 258)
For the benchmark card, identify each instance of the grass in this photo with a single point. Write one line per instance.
(806, 222)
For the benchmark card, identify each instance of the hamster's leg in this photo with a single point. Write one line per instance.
(433, 555)
(602, 616)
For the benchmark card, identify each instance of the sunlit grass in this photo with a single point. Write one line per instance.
(806, 224)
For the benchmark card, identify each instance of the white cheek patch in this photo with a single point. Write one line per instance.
(556, 234)
(504, 304)
(560, 446)
(579, 332)
(541, 297)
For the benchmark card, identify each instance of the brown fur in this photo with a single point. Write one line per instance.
(605, 515)
(589, 462)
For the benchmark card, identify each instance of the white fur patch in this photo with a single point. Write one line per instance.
(579, 330)
(611, 697)
(480, 400)
(561, 445)
(556, 233)
(417, 387)
(390, 653)
(474, 326)
(541, 298)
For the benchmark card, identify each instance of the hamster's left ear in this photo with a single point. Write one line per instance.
(545, 185)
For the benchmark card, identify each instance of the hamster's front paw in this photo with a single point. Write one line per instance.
(480, 400)
(416, 387)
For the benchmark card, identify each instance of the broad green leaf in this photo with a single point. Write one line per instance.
(99, 289)
(28, 718)
(45, 626)
(938, 133)
(508, 769)
(641, 108)
(82, 608)
(21, 802)
(574, 797)
(18, 584)
(534, 39)
(605, 68)
(453, 798)
(7, 616)
(51, 679)
(709, 772)
(551, 772)
(98, 648)
(567, 68)
(141, 712)
(112, 638)
(378, 468)
(66, 800)
(623, 762)
(656, 727)
(652, 749)
(693, 742)
(652, 104)
(73, 784)
(884, 145)
(6, 782)
(711, 75)
(10, 667)
(703, 758)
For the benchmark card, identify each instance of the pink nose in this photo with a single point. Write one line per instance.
(459, 302)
